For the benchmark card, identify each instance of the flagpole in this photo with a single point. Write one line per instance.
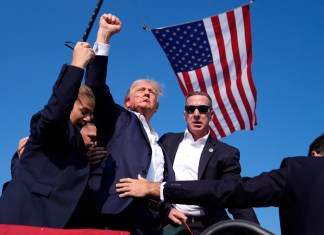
(92, 20)
(70, 44)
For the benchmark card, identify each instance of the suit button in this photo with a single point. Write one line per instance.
(144, 172)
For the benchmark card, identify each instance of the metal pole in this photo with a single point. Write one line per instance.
(92, 20)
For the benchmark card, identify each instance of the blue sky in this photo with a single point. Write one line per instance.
(287, 68)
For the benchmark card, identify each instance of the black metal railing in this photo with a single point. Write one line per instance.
(236, 226)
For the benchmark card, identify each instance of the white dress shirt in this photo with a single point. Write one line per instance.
(156, 169)
(186, 165)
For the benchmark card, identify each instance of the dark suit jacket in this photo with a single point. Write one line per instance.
(128, 149)
(217, 161)
(53, 169)
(13, 167)
(296, 188)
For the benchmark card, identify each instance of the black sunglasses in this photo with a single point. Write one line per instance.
(201, 108)
(70, 44)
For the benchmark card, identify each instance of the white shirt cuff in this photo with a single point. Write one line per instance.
(101, 49)
(161, 191)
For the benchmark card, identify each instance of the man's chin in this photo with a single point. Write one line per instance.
(196, 127)
(144, 107)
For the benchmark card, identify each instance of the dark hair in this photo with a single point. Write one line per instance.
(317, 145)
(199, 93)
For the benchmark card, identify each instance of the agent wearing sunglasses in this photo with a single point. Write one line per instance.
(195, 154)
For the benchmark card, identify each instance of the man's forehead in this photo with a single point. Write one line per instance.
(145, 84)
(86, 101)
(198, 98)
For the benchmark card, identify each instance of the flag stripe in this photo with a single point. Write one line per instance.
(248, 42)
(181, 82)
(220, 104)
(203, 88)
(241, 59)
(237, 52)
(187, 81)
(217, 80)
(201, 80)
(228, 27)
(219, 118)
(225, 70)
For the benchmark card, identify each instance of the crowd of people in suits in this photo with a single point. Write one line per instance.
(91, 163)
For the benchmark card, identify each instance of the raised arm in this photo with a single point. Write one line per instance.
(56, 113)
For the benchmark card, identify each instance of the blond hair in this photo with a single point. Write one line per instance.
(85, 91)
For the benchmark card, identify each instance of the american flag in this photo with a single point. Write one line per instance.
(214, 55)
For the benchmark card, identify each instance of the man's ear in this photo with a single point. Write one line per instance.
(212, 114)
(128, 104)
(185, 115)
(315, 154)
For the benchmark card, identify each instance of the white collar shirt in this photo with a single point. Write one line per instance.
(186, 165)
(156, 170)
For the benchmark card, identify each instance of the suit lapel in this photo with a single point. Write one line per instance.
(174, 145)
(207, 153)
(143, 130)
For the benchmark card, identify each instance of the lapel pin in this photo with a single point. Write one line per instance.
(211, 150)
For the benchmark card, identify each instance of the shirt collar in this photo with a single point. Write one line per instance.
(144, 122)
(188, 137)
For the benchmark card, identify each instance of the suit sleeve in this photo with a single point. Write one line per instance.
(267, 189)
(13, 167)
(233, 170)
(168, 176)
(245, 214)
(105, 112)
(54, 118)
